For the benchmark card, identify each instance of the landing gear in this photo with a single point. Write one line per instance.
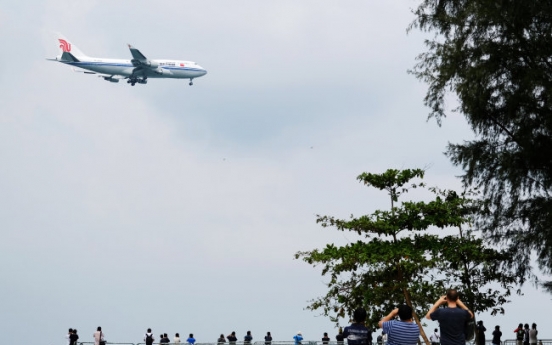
(133, 81)
(191, 82)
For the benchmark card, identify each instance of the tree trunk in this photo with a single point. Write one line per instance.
(415, 316)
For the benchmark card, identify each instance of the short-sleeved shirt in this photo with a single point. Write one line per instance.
(452, 324)
(401, 332)
(357, 334)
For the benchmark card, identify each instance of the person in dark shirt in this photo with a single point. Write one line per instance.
(496, 336)
(248, 337)
(339, 336)
(221, 339)
(480, 333)
(73, 337)
(452, 319)
(325, 339)
(165, 339)
(526, 334)
(357, 333)
(268, 338)
(232, 338)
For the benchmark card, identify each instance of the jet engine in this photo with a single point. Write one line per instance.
(151, 64)
(113, 80)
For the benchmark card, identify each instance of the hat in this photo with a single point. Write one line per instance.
(299, 332)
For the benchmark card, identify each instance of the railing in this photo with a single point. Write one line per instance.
(539, 342)
(304, 342)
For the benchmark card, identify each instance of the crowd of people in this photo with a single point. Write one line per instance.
(397, 328)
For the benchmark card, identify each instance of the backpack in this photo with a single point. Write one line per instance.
(520, 333)
(149, 339)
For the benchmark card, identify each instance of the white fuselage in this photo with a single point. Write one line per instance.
(161, 68)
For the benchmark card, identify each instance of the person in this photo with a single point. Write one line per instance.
(452, 320)
(298, 338)
(148, 337)
(248, 337)
(325, 339)
(435, 338)
(232, 338)
(533, 334)
(402, 331)
(520, 334)
(496, 336)
(68, 336)
(379, 339)
(176, 339)
(481, 333)
(99, 337)
(191, 339)
(73, 337)
(268, 338)
(221, 339)
(526, 334)
(339, 336)
(357, 333)
(165, 339)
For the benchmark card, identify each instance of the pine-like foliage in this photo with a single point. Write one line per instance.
(496, 57)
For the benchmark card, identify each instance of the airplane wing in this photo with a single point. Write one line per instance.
(109, 77)
(143, 67)
(138, 58)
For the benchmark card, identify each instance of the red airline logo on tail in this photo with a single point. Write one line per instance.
(64, 45)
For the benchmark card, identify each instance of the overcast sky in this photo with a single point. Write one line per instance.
(180, 208)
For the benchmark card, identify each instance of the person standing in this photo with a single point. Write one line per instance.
(533, 334)
(232, 338)
(496, 336)
(480, 333)
(403, 331)
(339, 336)
(357, 333)
(221, 340)
(451, 319)
(164, 339)
(268, 338)
(73, 337)
(248, 337)
(148, 337)
(176, 339)
(520, 334)
(526, 334)
(191, 339)
(325, 339)
(379, 339)
(99, 337)
(435, 338)
(298, 338)
(68, 336)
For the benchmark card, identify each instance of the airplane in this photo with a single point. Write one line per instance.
(136, 70)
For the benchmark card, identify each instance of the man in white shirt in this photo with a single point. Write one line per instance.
(435, 338)
(68, 336)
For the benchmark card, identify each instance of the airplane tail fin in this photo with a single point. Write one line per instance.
(67, 48)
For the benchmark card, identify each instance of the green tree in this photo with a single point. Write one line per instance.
(495, 56)
(483, 274)
(401, 262)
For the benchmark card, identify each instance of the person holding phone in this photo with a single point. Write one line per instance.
(452, 319)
